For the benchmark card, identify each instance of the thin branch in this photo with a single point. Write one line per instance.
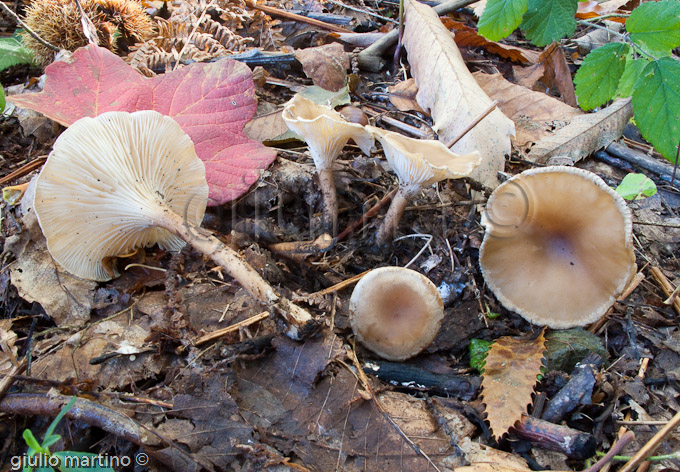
(19, 22)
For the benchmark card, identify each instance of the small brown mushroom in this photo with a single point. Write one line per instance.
(395, 312)
(557, 248)
(326, 133)
(418, 163)
(121, 181)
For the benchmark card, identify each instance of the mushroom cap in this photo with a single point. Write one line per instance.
(422, 162)
(557, 247)
(106, 184)
(395, 312)
(324, 130)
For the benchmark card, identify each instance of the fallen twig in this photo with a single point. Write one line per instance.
(651, 446)
(666, 286)
(295, 17)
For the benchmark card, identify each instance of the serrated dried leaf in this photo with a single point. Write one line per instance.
(585, 134)
(449, 91)
(535, 114)
(508, 381)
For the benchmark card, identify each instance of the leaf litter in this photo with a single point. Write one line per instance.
(257, 400)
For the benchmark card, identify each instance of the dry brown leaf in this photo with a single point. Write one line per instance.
(585, 134)
(8, 349)
(266, 127)
(468, 37)
(552, 70)
(592, 9)
(508, 380)
(452, 95)
(326, 65)
(535, 114)
(403, 95)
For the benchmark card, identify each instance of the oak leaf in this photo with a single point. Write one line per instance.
(510, 372)
(448, 90)
(211, 102)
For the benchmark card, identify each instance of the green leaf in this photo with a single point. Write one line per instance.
(478, 349)
(636, 187)
(630, 75)
(656, 25)
(549, 20)
(501, 17)
(2, 99)
(59, 417)
(598, 77)
(31, 441)
(13, 52)
(81, 462)
(656, 104)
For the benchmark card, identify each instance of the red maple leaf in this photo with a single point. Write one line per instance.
(211, 102)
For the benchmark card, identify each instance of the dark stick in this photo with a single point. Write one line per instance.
(573, 443)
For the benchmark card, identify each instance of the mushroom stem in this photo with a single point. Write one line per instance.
(389, 225)
(204, 242)
(330, 201)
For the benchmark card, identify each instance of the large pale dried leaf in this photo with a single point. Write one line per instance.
(326, 65)
(211, 102)
(449, 91)
(585, 134)
(510, 372)
(535, 114)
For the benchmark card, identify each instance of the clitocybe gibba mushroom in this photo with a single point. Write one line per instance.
(121, 181)
(395, 312)
(418, 163)
(557, 248)
(326, 132)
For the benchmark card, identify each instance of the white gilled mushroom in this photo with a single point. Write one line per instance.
(418, 163)
(557, 248)
(121, 181)
(395, 312)
(326, 133)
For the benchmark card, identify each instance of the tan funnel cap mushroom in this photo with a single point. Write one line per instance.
(422, 162)
(557, 248)
(105, 182)
(418, 163)
(326, 133)
(395, 312)
(324, 130)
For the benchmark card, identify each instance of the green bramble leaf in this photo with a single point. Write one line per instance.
(636, 187)
(2, 99)
(478, 349)
(598, 77)
(549, 20)
(501, 17)
(630, 75)
(13, 52)
(656, 104)
(656, 26)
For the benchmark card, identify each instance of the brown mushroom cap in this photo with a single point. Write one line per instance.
(395, 312)
(107, 184)
(557, 248)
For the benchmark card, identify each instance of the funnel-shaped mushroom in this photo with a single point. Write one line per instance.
(418, 163)
(557, 248)
(395, 312)
(121, 181)
(326, 132)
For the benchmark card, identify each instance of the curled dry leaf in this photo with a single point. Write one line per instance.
(585, 134)
(452, 95)
(510, 372)
(403, 95)
(326, 65)
(535, 114)
(468, 37)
